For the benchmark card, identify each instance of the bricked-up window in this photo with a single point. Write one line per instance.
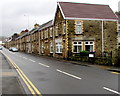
(51, 47)
(59, 47)
(77, 46)
(89, 46)
(51, 32)
(56, 30)
(78, 27)
(64, 28)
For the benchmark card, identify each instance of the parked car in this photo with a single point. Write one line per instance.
(13, 49)
(10, 49)
(0, 47)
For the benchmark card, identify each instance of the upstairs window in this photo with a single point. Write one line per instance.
(64, 28)
(46, 33)
(119, 33)
(89, 46)
(118, 30)
(56, 30)
(34, 36)
(51, 32)
(41, 34)
(77, 46)
(78, 27)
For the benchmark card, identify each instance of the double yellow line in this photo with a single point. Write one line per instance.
(34, 91)
(115, 73)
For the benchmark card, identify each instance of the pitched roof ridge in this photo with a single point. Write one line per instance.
(83, 3)
(47, 22)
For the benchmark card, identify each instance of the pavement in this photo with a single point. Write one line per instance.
(10, 84)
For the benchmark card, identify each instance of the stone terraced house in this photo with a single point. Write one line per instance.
(76, 27)
(46, 39)
(79, 27)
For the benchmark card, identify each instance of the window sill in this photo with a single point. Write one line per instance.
(56, 36)
(58, 52)
(76, 52)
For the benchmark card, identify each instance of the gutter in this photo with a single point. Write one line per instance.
(102, 38)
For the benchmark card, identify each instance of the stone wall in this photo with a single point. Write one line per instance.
(92, 31)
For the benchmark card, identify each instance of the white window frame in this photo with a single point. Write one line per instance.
(78, 51)
(59, 46)
(51, 47)
(78, 24)
(89, 43)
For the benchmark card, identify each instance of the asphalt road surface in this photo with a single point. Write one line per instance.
(51, 76)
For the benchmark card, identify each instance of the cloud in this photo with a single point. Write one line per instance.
(17, 15)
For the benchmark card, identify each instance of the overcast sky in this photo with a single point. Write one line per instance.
(18, 15)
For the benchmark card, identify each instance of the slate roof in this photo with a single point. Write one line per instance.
(87, 11)
(46, 25)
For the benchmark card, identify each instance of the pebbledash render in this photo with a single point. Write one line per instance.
(76, 27)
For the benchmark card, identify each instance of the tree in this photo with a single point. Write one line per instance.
(14, 36)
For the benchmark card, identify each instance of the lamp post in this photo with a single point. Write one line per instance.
(27, 20)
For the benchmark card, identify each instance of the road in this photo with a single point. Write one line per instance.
(51, 76)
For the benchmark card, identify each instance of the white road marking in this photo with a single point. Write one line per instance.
(43, 65)
(68, 74)
(111, 90)
(24, 57)
(31, 60)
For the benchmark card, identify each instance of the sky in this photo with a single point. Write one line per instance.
(18, 15)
